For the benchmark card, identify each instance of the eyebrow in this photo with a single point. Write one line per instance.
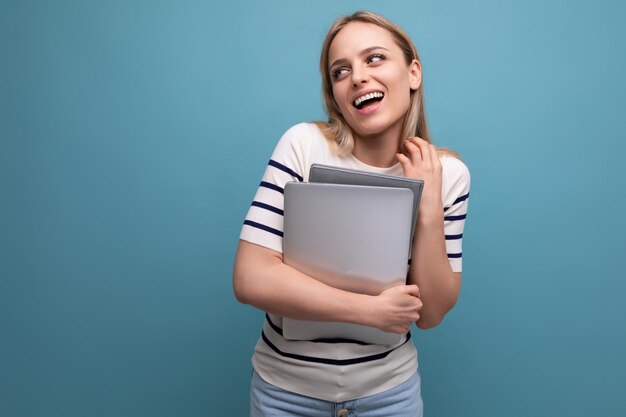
(363, 52)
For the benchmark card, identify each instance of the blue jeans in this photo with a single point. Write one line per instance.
(267, 400)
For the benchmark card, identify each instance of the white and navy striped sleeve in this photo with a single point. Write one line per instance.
(455, 190)
(264, 222)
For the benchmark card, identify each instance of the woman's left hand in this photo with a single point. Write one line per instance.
(423, 163)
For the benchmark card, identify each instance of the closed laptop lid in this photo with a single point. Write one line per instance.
(339, 175)
(352, 237)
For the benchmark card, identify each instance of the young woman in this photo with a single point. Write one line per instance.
(371, 76)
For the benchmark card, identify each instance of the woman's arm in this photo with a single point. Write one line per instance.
(261, 279)
(431, 271)
(430, 268)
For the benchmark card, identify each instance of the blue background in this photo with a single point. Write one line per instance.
(134, 134)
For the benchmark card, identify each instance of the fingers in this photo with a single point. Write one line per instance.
(413, 149)
(407, 167)
(401, 307)
(434, 157)
(404, 289)
(421, 152)
(402, 329)
(413, 290)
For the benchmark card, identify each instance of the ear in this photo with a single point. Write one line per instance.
(415, 74)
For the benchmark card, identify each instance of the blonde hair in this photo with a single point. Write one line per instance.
(337, 130)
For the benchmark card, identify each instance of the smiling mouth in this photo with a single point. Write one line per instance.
(368, 100)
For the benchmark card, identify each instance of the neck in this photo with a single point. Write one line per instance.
(378, 150)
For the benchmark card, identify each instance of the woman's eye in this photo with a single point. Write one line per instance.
(375, 58)
(339, 72)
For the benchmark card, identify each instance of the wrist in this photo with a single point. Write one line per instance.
(363, 311)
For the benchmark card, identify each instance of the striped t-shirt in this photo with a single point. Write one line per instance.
(339, 371)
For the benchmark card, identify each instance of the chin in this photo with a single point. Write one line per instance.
(369, 129)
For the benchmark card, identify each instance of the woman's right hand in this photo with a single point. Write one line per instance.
(396, 308)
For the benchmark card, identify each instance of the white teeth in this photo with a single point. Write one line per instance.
(367, 96)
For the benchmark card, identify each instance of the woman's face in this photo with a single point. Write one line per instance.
(370, 78)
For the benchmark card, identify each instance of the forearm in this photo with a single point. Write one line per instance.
(430, 268)
(431, 271)
(262, 280)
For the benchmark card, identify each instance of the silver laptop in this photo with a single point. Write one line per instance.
(351, 237)
(338, 175)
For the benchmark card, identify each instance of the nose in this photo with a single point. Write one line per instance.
(359, 75)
